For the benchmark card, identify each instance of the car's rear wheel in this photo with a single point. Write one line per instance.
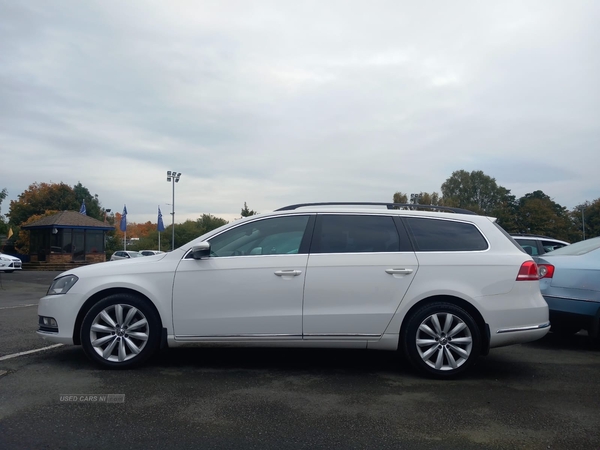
(441, 340)
(120, 331)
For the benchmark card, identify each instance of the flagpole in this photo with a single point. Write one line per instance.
(123, 227)
(160, 226)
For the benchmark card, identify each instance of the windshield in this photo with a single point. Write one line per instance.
(578, 248)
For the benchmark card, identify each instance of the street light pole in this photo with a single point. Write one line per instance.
(173, 177)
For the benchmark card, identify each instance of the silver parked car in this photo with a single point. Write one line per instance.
(570, 283)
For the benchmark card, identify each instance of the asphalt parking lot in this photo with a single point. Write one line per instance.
(543, 395)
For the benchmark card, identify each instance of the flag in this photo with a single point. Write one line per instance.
(123, 226)
(10, 233)
(82, 209)
(161, 225)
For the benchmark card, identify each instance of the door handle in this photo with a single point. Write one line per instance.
(398, 271)
(288, 273)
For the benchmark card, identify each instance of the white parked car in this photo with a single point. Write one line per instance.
(125, 254)
(9, 263)
(150, 252)
(441, 287)
(536, 245)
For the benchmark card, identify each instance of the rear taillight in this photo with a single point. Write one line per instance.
(545, 271)
(528, 272)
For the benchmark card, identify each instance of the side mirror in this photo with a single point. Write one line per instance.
(202, 250)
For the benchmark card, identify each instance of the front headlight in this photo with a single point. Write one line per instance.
(62, 285)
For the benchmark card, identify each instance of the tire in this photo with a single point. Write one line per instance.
(108, 336)
(441, 340)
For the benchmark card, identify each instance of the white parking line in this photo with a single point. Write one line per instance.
(28, 352)
(18, 306)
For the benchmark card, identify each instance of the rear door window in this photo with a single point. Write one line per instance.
(355, 234)
(438, 235)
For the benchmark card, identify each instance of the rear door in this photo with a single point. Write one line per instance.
(359, 268)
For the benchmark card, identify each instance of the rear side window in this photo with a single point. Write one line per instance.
(355, 234)
(432, 235)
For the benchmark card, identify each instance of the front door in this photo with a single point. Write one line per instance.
(251, 286)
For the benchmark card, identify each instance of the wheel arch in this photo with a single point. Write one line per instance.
(472, 310)
(90, 302)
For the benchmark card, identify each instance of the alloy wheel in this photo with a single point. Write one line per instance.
(444, 341)
(119, 332)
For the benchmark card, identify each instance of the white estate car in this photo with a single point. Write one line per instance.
(442, 287)
(9, 263)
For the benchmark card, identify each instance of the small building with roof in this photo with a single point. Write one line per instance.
(67, 236)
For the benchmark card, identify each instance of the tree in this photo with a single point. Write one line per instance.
(42, 197)
(426, 198)
(92, 204)
(23, 241)
(476, 191)
(538, 214)
(208, 222)
(480, 193)
(246, 212)
(591, 217)
(400, 197)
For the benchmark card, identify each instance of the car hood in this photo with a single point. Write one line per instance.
(126, 266)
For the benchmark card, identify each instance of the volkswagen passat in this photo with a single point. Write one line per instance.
(443, 287)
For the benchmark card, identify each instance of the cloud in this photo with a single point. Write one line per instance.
(275, 103)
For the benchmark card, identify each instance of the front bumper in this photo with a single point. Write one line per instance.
(63, 309)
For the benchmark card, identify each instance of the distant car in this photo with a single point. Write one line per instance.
(536, 245)
(125, 255)
(150, 252)
(9, 263)
(570, 283)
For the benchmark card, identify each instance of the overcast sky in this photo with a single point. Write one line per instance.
(281, 102)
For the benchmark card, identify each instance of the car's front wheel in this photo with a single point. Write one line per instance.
(441, 340)
(120, 331)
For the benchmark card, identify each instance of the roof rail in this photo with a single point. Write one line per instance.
(410, 206)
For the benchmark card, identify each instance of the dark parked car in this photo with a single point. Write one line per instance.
(570, 283)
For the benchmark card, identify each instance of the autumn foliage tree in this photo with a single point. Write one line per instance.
(42, 197)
